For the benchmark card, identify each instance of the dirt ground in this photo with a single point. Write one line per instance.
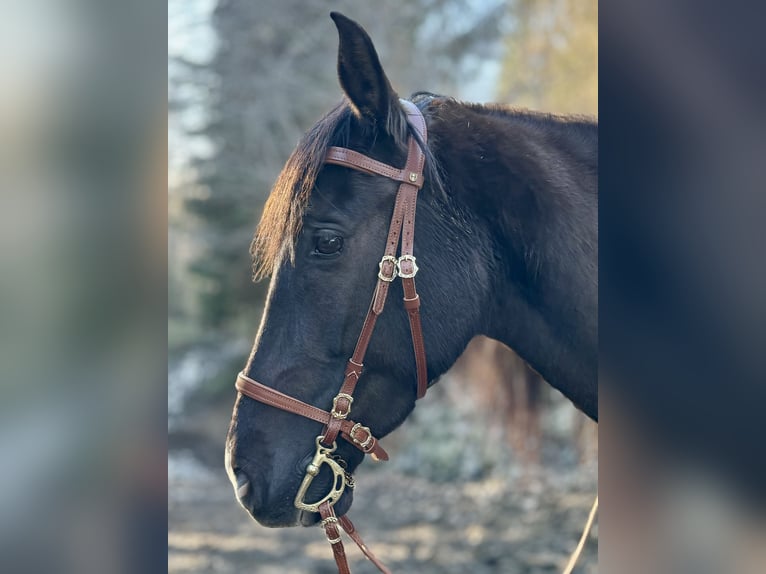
(508, 521)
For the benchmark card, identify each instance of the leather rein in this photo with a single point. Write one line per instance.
(336, 421)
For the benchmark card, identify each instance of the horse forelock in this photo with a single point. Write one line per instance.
(283, 212)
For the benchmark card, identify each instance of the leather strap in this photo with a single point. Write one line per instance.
(349, 158)
(349, 528)
(407, 266)
(331, 527)
(360, 437)
(402, 227)
(330, 524)
(355, 364)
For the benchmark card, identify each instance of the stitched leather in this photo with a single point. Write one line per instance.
(392, 242)
(274, 398)
(402, 227)
(332, 531)
(415, 162)
(349, 158)
(412, 305)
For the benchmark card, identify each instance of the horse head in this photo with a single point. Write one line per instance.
(321, 237)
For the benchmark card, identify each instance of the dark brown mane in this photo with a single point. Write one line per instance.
(283, 213)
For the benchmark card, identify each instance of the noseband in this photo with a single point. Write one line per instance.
(336, 421)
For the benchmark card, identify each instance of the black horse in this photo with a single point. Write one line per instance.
(506, 242)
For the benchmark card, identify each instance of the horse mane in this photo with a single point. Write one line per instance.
(282, 217)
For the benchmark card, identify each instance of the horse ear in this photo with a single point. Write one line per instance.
(361, 76)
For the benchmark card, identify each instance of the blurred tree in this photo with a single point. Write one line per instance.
(551, 56)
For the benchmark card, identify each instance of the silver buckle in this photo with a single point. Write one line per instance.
(395, 271)
(402, 274)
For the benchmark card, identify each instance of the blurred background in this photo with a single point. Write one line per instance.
(245, 80)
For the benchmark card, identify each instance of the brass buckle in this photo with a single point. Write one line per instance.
(368, 442)
(402, 274)
(394, 262)
(312, 470)
(336, 414)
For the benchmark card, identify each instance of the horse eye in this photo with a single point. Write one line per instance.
(328, 244)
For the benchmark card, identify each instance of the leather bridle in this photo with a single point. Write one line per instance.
(336, 421)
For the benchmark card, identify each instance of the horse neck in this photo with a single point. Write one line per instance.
(530, 181)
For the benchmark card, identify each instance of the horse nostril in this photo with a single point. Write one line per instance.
(243, 484)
